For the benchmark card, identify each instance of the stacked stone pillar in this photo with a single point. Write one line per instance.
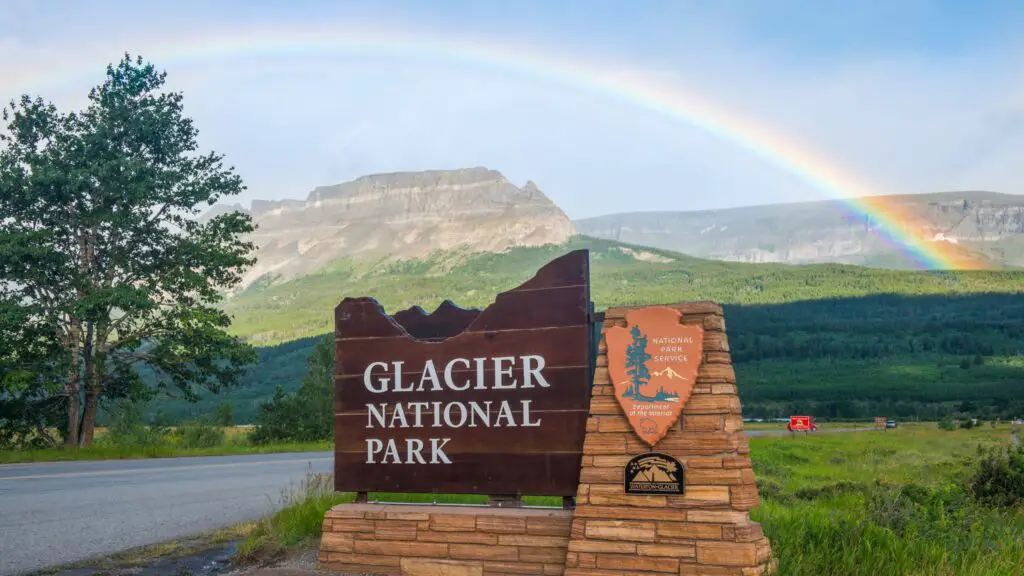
(707, 531)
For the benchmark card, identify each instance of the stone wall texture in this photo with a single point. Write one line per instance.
(706, 531)
(410, 540)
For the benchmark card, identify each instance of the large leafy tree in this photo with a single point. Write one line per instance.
(102, 252)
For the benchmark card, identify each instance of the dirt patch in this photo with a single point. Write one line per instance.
(295, 562)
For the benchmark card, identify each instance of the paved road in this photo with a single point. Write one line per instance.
(54, 513)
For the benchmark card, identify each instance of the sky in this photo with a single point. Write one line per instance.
(593, 100)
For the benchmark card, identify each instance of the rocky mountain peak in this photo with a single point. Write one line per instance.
(401, 215)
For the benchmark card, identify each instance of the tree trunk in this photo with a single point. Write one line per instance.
(72, 387)
(89, 415)
(89, 419)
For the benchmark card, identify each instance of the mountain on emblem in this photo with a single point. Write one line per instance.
(653, 364)
(668, 373)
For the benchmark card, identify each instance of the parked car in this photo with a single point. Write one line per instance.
(890, 423)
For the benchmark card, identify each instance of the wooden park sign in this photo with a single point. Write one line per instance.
(519, 399)
(465, 401)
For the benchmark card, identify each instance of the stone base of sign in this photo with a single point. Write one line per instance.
(707, 531)
(413, 540)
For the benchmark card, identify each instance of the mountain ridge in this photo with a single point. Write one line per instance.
(398, 216)
(988, 226)
(408, 215)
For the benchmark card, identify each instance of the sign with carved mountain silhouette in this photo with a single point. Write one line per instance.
(654, 473)
(653, 365)
(491, 401)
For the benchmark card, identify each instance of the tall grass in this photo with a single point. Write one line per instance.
(886, 503)
(298, 521)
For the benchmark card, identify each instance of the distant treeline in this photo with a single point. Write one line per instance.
(925, 357)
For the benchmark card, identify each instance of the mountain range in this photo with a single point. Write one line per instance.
(988, 224)
(405, 216)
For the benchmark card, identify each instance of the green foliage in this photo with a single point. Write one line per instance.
(947, 424)
(301, 308)
(308, 414)
(224, 415)
(840, 342)
(127, 429)
(101, 251)
(998, 479)
(191, 435)
(31, 363)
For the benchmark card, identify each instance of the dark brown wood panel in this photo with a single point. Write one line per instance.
(534, 309)
(548, 316)
(550, 474)
(573, 269)
(364, 318)
(445, 322)
(565, 346)
(566, 391)
(555, 434)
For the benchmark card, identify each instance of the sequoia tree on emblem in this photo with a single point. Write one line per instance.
(653, 365)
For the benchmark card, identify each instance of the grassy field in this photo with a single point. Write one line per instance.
(883, 503)
(861, 504)
(235, 441)
(271, 314)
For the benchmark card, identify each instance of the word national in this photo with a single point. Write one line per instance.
(457, 375)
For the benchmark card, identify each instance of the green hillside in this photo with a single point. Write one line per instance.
(300, 308)
(831, 340)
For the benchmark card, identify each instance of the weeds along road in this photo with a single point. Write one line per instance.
(61, 512)
(55, 513)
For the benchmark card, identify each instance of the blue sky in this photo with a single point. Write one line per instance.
(910, 96)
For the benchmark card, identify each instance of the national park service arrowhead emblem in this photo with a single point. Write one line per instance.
(653, 365)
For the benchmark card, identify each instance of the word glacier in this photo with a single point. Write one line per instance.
(502, 379)
(457, 375)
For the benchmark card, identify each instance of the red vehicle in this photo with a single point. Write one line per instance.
(802, 424)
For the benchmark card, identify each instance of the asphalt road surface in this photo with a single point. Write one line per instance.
(55, 513)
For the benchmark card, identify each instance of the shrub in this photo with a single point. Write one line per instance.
(947, 424)
(998, 477)
(224, 415)
(198, 435)
(126, 428)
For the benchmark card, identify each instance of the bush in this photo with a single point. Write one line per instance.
(998, 477)
(307, 415)
(224, 415)
(198, 435)
(126, 428)
(947, 424)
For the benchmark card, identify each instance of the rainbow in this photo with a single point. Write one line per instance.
(850, 193)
